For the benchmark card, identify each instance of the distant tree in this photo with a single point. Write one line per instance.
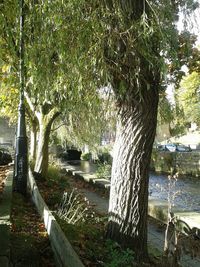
(186, 58)
(188, 96)
(186, 68)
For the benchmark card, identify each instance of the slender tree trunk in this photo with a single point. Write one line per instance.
(33, 140)
(42, 158)
(41, 165)
(128, 205)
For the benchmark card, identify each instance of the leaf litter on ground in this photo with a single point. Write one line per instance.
(30, 245)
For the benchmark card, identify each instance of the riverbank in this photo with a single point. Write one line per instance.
(185, 193)
(100, 203)
(183, 163)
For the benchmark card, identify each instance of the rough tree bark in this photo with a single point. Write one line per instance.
(128, 205)
(135, 82)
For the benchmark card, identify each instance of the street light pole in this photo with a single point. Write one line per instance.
(21, 155)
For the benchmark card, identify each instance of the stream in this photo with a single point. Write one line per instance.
(185, 191)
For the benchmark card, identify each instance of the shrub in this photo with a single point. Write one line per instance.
(86, 156)
(119, 257)
(104, 170)
(71, 208)
(105, 157)
(54, 172)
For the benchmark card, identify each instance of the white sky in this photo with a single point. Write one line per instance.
(193, 23)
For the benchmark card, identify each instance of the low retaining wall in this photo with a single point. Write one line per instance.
(183, 163)
(64, 253)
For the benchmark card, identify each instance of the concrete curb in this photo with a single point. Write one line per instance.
(5, 210)
(65, 255)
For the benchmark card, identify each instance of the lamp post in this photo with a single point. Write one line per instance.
(21, 155)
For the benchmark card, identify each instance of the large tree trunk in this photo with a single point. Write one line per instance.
(135, 77)
(42, 159)
(128, 205)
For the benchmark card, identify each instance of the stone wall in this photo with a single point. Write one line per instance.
(184, 163)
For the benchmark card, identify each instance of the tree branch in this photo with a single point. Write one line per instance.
(31, 105)
(55, 129)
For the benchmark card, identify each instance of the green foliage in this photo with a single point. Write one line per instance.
(55, 72)
(188, 96)
(185, 56)
(71, 208)
(119, 257)
(180, 127)
(86, 156)
(179, 124)
(105, 157)
(103, 170)
(90, 238)
(9, 95)
(66, 72)
(194, 63)
(165, 110)
(54, 173)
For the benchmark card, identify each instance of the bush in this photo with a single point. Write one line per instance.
(71, 209)
(5, 157)
(118, 256)
(86, 156)
(105, 157)
(54, 172)
(104, 170)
